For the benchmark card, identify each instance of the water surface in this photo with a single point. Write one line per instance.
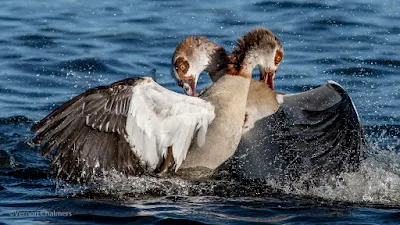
(51, 51)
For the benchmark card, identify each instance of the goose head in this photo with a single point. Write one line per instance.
(194, 55)
(259, 47)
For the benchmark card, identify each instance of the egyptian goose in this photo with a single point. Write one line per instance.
(310, 134)
(135, 125)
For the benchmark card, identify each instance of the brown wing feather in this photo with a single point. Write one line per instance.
(86, 145)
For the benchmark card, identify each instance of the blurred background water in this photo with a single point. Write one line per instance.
(53, 50)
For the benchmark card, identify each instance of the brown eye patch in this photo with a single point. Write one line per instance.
(278, 56)
(181, 67)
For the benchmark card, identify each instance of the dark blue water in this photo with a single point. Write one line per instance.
(53, 50)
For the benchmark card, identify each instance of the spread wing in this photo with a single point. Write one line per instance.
(313, 134)
(126, 126)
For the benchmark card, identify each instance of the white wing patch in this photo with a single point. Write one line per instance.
(159, 118)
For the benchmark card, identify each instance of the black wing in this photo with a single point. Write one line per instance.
(88, 132)
(313, 135)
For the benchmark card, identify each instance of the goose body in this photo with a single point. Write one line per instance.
(313, 134)
(128, 126)
(135, 126)
(221, 141)
(261, 102)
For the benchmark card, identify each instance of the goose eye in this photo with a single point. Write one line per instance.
(278, 57)
(182, 67)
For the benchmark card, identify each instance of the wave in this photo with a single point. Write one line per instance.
(37, 41)
(291, 5)
(86, 65)
(15, 120)
(359, 72)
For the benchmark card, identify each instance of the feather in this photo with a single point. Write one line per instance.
(127, 126)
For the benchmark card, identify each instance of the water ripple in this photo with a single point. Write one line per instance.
(359, 72)
(37, 41)
(86, 65)
(273, 5)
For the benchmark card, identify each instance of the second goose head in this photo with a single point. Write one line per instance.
(258, 47)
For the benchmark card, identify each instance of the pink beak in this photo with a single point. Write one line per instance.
(189, 86)
(267, 76)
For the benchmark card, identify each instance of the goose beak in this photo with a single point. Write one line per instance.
(188, 85)
(267, 76)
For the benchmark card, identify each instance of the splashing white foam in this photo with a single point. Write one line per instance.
(377, 182)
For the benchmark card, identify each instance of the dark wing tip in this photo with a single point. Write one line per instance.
(37, 139)
(35, 127)
(80, 148)
(346, 99)
(337, 87)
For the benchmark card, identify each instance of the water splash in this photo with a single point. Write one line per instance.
(375, 183)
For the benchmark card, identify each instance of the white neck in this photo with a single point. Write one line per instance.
(228, 95)
(201, 60)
